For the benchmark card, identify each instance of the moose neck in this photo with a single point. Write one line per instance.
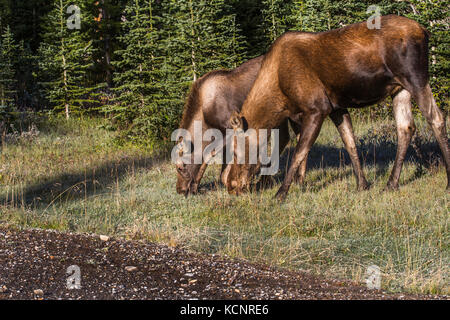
(268, 114)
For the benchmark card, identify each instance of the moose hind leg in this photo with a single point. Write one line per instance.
(436, 120)
(405, 131)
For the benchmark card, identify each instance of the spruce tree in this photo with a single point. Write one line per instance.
(276, 15)
(218, 36)
(166, 46)
(137, 77)
(8, 51)
(433, 15)
(203, 36)
(5, 14)
(199, 36)
(7, 80)
(65, 57)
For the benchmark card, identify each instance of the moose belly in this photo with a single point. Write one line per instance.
(362, 90)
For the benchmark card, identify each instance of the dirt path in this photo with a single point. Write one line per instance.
(33, 265)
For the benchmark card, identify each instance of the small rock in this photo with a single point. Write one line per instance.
(130, 268)
(104, 238)
(189, 275)
(3, 289)
(38, 292)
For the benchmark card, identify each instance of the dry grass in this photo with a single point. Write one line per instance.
(71, 177)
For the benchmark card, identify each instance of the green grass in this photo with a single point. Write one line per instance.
(72, 177)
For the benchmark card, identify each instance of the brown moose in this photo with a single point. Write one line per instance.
(308, 76)
(212, 100)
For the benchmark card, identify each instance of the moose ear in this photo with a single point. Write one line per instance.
(236, 121)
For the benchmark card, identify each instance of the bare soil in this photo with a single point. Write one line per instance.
(33, 265)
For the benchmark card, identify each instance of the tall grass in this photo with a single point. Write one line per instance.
(71, 177)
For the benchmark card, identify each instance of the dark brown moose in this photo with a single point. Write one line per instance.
(308, 76)
(212, 100)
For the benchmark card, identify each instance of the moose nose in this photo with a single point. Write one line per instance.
(232, 186)
(234, 189)
(181, 190)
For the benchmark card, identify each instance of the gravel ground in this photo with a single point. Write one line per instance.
(34, 265)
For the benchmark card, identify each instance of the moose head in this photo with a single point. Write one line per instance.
(242, 169)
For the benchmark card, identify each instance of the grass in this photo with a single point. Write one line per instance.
(72, 177)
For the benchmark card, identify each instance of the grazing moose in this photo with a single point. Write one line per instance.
(309, 76)
(212, 100)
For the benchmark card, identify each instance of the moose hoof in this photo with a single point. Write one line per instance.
(192, 190)
(299, 180)
(363, 186)
(281, 195)
(265, 182)
(391, 186)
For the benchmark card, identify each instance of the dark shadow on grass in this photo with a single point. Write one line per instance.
(85, 183)
(375, 151)
(209, 186)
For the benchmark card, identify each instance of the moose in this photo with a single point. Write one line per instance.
(212, 100)
(308, 76)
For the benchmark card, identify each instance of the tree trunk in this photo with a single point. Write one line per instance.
(107, 46)
(194, 66)
(66, 105)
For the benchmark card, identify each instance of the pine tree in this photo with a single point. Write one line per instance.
(5, 14)
(65, 57)
(8, 51)
(276, 18)
(323, 15)
(198, 36)
(218, 36)
(433, 15)
(7, 80)
(202, 36)
(317, 15)
(165, 47)
(24, 18)
(137, 77)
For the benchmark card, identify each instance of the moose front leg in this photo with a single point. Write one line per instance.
(311, 125)
(301, 172)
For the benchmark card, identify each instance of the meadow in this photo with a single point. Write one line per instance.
(70, 175)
